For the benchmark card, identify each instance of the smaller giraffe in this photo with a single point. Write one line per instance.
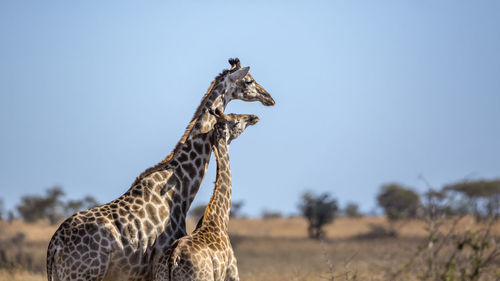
(207, 254)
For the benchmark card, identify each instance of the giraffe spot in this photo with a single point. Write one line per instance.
(185, 192)
(134, 258)
(176, 211)
(169, 204)
(173, 224)
(189, 168)
(151, 211)
(192, 154)
(163, 190)
(155, 199)
(182, 158)
(97, 237)
(136, 192)
(86, 240)
(162, 238)
(162, 211)
(176, 197)
(147, 196)
(128, 250)
(141, 213)
(157, 177)
(195, 185)
(76, 239)
(148, 226)
(198, 147)
(119, 226)
(94, 246)
(187, 146)
(104, 243)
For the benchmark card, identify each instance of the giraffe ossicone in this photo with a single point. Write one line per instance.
(122, 239)
(207, 254)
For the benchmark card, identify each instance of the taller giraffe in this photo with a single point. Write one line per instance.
(206, 254)
(122, 239)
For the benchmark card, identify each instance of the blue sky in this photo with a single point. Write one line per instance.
(367, 92)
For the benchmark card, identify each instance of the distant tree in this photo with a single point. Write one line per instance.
(319, 210)
(482, 196)
(51, 206)
(10, 216)
(398, 202)
(90, 202)
(34, 207)
(436, 204)
(267, 214)
(236, 207)
(73, 206)
(54, 204)
(351, 210)
(197, 211)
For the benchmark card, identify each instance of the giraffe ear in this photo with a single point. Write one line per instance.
(240, 73)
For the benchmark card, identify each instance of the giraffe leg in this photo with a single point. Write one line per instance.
(232, 273)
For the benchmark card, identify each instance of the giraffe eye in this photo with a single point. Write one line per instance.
(248, 82)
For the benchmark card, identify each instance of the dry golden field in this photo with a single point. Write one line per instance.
(272, 249)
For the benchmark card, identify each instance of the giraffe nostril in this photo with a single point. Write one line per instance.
(254, 119)
(268, 100)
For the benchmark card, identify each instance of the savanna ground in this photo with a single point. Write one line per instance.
(272, 249)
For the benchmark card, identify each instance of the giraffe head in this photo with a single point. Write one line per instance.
(230, 126)
(235, 83)
(242, 86)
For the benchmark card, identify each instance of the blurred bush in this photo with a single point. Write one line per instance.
(351, 210)
(398, 202)
(319, 210)
(51, 206)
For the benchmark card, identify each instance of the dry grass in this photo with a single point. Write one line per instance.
(273, 249)
(20, 275)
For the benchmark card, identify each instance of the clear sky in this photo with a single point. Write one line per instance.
(367, 92)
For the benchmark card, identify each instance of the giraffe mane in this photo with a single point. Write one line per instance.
(187, 131)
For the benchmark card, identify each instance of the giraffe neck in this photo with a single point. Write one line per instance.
(219, 207)
(201, 123)
(172, 184)
(190, 163)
